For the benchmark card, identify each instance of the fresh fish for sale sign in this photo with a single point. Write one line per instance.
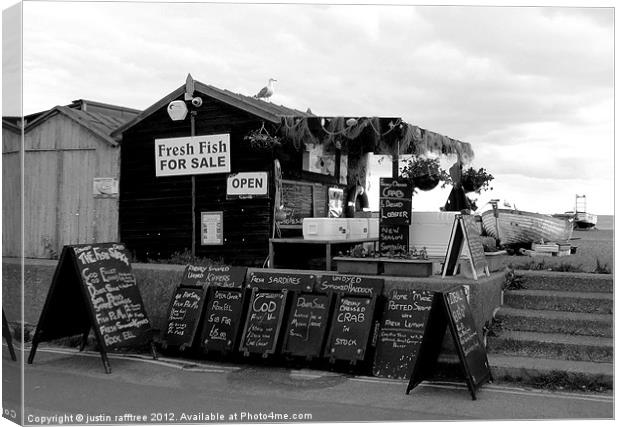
(192, 155)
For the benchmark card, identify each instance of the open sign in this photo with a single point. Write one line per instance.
(247, 185)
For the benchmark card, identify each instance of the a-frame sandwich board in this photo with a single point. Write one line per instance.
(465, 233)
(6, 334)
(93, 287)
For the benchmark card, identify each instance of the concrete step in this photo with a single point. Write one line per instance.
(564, 322)
(585, 302)
(569, 282)
(553, 373)
(552, 346)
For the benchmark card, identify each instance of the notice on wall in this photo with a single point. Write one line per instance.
(247, 185)
(192, 155)
(105, 188)
(211, 228)
(335, 198)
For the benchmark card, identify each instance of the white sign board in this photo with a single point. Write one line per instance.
(211, 228)
(192, 155)
(247, 185)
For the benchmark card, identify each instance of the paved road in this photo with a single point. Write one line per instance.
(63, 382)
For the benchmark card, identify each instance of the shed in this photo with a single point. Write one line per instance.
(166, 212)
(70, 172)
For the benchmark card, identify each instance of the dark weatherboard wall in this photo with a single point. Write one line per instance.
(155, 212)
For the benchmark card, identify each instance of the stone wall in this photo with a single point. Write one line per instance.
(157, 282)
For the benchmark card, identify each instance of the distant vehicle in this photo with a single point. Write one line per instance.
(581, 219)
(512, 226)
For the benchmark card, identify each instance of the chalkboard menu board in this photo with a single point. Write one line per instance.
(465, 232)
(474, 243)
(352, 285)
(263, 322)
(403, 326)
(277, 281)
(393, 239)
(184, 315)
(93, 287)
(213, 275)
(114, 297)
(222, 320)
(466, 338)
(394, 216)
(297, 203)
(350, 328)
(307, 324)
(395, 201)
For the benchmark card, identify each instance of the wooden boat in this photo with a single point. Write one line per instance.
(581, 219)
(512, 226)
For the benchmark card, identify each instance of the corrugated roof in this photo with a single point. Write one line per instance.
(94, 122)
(98, 123)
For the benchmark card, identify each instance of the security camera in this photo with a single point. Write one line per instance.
(197, 101)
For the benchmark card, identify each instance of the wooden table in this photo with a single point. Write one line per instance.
(293, 243)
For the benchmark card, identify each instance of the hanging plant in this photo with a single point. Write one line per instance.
(424, 173)
(260, 140)
(476, 180)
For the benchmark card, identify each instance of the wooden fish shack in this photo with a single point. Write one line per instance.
(213, 173)
(70, 174)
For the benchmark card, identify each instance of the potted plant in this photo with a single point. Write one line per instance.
(358, 260)
(424, 173)
(476, 180)
(414, 263)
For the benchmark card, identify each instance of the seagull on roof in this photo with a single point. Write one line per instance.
(267, 91)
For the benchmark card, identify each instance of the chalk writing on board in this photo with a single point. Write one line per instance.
(106, 272)
(350, 328)
(308, 314)
(263, 322)
(472, 353)
(346, 284)
(184, 316)
(213, 275)
(222, 319)
(278, 280)
(307, 324)
(467, 335)
(402, 331)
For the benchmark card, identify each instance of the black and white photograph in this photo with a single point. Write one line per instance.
(307, 212)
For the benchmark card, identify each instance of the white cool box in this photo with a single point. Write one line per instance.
(428, 229)
(340, 228)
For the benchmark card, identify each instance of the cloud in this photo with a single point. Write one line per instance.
(531, 88)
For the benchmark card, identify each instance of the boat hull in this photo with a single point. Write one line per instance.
(585, 220)
(515, 227)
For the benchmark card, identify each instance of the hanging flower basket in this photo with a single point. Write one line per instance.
(424, 174)
(476, 180)
(261, 140)
(426, 182)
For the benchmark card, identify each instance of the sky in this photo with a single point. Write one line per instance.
(531, 88)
